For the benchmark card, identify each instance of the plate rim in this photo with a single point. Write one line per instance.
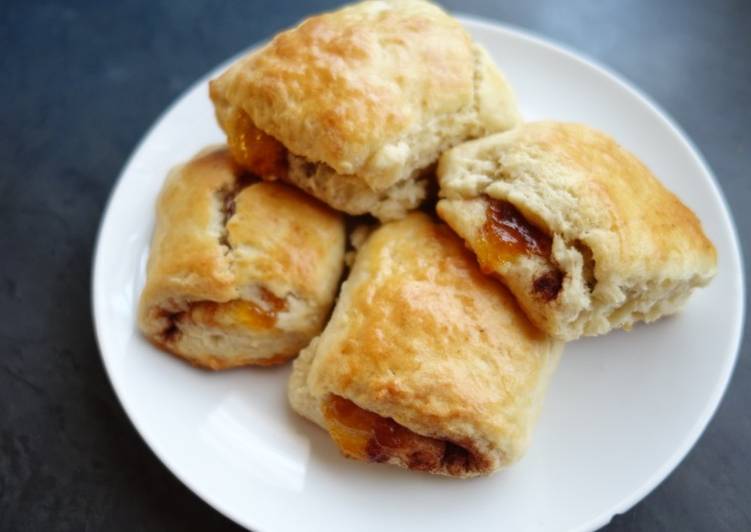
(551, 45)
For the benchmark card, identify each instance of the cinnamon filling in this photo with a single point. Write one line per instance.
(506, 235)
(366, 436)
(253, 149)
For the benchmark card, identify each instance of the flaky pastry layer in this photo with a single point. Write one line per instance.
(239, 272)
(367, 96)
(426, 363)
(621, 247)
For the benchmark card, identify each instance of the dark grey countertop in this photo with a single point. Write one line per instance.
(82, 81)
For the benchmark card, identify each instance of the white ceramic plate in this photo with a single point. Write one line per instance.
(622, 411)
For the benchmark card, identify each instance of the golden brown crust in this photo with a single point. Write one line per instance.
(239, 272)
(375, 90)
(343, 84)
(629, 248)
(283, 238)
(190, 196)
(421, 336)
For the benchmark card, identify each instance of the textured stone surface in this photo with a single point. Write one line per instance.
(82, 80)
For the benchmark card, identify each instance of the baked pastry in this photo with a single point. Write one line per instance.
(239, 272)
(582, 233)
(426, 363)
(356, 105)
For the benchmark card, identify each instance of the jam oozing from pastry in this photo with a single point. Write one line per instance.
(510, 234)
(240, 312)
(366, 436)
(506, 235)
(253, 149)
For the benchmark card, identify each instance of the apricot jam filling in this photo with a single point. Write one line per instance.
(253, 149)
(239, 312)
(506, 235)
(366, 436)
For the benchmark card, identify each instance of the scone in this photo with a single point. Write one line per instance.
(239, 272)
(582, 233)
(426, 363)
(356, 105)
